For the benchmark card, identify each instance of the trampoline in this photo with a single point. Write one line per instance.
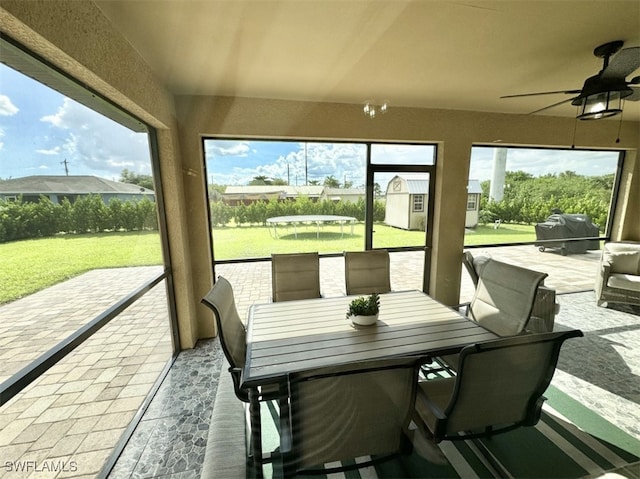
(310, 219)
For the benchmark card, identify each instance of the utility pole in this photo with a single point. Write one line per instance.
(66, 166)
(306, 179)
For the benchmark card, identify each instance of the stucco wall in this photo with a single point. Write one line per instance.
(455, 132)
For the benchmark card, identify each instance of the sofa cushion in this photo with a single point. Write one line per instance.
(624, 262)
(225, 454)
(624, 281)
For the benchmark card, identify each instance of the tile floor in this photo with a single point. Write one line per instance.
(171, 439)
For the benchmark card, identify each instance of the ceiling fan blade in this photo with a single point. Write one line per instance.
(623, 63)
(551, 106)
(566, 92)
(635, 96)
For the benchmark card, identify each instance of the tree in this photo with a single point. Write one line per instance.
(260, 180)
(146, 181)
(331, 182)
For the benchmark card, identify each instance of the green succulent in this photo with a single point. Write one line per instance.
(364, 306)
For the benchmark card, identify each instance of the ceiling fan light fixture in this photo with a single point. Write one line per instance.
(600, 105)
(371, 109)
(601, 98)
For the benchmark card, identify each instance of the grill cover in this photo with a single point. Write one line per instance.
(567, 226)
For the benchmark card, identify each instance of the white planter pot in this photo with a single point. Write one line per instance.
(364, 320)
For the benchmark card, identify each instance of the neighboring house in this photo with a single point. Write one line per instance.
(406, 202)
(235, 195)
(56, 188)
(351, 195)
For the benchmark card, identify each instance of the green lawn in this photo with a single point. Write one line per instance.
(29, 266)
(258, 241)
(506, 233)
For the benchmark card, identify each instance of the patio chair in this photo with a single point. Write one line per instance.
(295, 276)
(545, 308)
(233, 341)
(504, 298)
(499, 387)
(502, 303)
(348, 413)
(618, 274)
(367, 272)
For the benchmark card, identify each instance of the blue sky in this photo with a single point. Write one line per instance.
(40, 129)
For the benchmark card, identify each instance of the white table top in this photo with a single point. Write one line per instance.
(311, 334)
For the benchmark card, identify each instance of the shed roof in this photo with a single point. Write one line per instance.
(419, 184)
(474, 187)
(81, 184)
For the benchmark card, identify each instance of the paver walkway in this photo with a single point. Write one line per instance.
(71, 417)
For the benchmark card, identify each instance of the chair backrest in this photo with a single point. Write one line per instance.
(504, 297)
(474, 265)
(295, 276)
(367, 272)
(500, 384)
(343, 415)
(230, 328)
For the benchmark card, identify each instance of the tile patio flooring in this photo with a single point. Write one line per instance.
(75, 413)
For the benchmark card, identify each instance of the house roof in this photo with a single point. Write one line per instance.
(282, 190)
(34, 185)
(344, 191)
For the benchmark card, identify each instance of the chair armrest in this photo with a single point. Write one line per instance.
(458, 307)
(602, 277)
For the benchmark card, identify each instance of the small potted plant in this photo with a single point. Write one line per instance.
(364, 310)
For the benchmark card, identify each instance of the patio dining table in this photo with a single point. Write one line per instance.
(313, 335)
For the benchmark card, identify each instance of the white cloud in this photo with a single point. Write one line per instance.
(93, 142)
(240, 149)
(543, 161)
(7, 108)
(52, 151)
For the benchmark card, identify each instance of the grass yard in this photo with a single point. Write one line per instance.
(506, 233)
(29, 266)
(259, 241)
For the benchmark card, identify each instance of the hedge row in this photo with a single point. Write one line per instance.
(22, 220)
(258, 212)
(533, 211)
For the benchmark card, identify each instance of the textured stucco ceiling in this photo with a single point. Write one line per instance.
(459, 55)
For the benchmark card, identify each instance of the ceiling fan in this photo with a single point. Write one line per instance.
(602, 94)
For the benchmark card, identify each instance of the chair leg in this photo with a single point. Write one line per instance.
(256, 432)
(499, 470)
